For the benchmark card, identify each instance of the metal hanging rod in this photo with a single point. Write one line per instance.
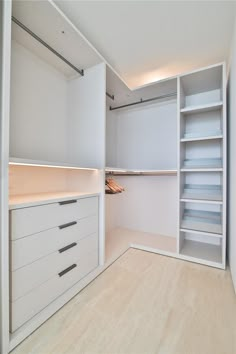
(112, 97)
(26, 29)
(173, 94)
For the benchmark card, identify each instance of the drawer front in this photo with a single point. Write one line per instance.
(28, 221)
(31, 248)
(33, 275)
(29, 305)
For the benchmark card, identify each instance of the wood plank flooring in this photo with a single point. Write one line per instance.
(144, 303)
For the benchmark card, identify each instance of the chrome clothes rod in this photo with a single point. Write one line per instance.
(26, 29)
(173, 94)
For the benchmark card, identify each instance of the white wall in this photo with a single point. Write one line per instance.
(38, 123)
(232, 160)
(148, 204)
(143, 134)
(54, 119)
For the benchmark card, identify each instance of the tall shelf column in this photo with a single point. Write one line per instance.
(202, 166)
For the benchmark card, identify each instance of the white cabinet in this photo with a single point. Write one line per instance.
(52, 247)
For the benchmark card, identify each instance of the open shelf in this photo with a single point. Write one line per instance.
(202, 220)
(202, 108)
(201, 250)
(202, 163)
(203, 192)
(28, 162)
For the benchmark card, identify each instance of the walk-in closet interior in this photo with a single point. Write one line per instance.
(73, 124)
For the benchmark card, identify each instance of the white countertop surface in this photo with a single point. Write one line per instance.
(28, 200)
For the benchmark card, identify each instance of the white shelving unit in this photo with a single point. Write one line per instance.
(202, 165)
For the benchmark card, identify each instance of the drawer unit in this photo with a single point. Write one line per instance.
(31, 248)
(27, 278)
(29, 305)
(30, 220)
(52, 247)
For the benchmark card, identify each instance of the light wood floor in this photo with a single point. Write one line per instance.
(144, 304)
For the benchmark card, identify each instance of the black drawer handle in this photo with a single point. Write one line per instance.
(61, 250)
(67, 225)
(68, 202)
(67, 270)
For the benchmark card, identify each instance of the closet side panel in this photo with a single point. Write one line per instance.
(147, 137)
(5, 53)
(111, 139)
(38, 108)
(86, 118)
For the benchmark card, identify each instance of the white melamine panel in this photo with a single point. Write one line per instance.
(144, 133)
(203, 81)
(203, 101)
(113, 205)
(232, 164)
(38, 124)
(111, 138)
(5, 53)
(28, 221)
(202, 251)
(29, 249)
(148, 204)
(202, 124)
(203, 149)
(86, 118)
(27, 278)
(29, 305)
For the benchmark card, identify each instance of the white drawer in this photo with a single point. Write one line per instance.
(29, 305)
(31, 248)
(27, 221)
(33, 275)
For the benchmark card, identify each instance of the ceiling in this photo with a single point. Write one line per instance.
(146, 41)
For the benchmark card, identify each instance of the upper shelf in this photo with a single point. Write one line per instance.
(57, 31)
(136, 172)
(202, 108)
(38, 163)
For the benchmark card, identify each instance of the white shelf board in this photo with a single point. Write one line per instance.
(27, 200)
(203, 201)
(140, 172)
(203, 226)
(200, 250)
(202, 108)
(213, 137)
(201, 233)
(207, 169)
(28, 162)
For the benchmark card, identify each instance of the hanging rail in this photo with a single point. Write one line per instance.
(26, 29)
(142, 173)
(112, 97)
(173, 94)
